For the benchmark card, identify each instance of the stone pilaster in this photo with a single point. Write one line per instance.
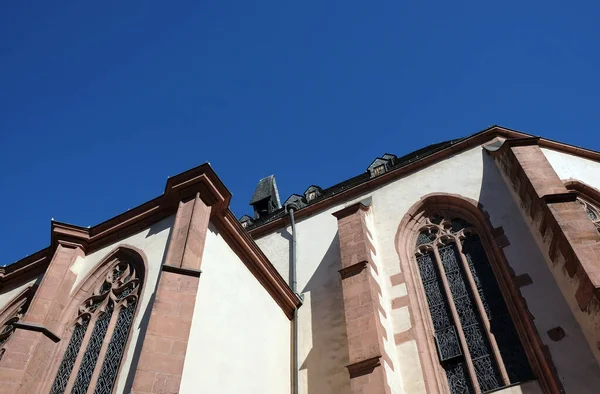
(163, 353)
(361, 304)
(565, 233)
(32, 345)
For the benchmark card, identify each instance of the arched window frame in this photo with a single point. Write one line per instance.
(12, 313)
(472, 212)
(82, 309)
(588, 197)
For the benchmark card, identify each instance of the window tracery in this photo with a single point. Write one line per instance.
(12, 314)
(477, 343)
(592, 212)
(91, 362)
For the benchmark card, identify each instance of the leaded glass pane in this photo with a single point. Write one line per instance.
(457, 284)
(440, 316)
(449, 257)
(90, 357)
(591, 214)
(459, 224)
(425, 237)
(515, 360)
(128, 290)
(502, 326)
(458, 377)
(435, 294)
(118, 271)
(105, 288)
(114, 352)
(487, 376)
(436, 219)
(467, 310)
(440, 313)
(447, 343)
(476, 338)
(66, 366)
(427, 267)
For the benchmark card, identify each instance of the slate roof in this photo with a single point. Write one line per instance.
(266, 188)
(364, 177)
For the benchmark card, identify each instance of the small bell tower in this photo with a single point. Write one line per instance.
(265, 199)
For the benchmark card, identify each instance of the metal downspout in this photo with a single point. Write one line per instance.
(293, 283)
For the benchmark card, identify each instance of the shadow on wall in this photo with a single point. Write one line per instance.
(577, 367)
(143, 327)
(325, 364)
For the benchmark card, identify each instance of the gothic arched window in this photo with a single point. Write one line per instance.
(592, 211)
(478, 346)
(12, 313)
(100, 331)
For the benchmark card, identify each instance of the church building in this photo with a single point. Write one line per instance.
(468, 266)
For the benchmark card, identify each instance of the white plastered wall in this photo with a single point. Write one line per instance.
(323, 347)
(240, 337)
(152, 242)
(7, 295)
(570, 166)
(394, 379)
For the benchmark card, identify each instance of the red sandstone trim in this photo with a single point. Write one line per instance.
(558, 216)
(397, 279)
(182, 271)
(256, 261)
(360, 290)
(475, 140)
(586, 191)
(37, 328)
(350, 210)
(473, 212)
(363, 367)
(84, 290)
(173, 308)
(354, 269)
(200, 181)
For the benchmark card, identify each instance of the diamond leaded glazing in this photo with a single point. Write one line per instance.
(117, 294)
(88, 363)
(513, 354)
(66, 366)
(114, 352)
(486, 368)
(446, 236)
(445, 334)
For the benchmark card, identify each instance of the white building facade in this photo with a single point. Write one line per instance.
(469, 266)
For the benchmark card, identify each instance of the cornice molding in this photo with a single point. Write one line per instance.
(364, 367)
(25, 269)
(181, 271)
(350, 210)
(584, 190)
(201, 180)
(354, 269)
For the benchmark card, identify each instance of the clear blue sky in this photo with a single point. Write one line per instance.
(101, 101)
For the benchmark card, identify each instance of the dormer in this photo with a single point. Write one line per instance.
(295, 201)
(246, 221)
(312, 193)
(390, 158)
(381, 165)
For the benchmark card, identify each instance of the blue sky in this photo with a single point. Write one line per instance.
(101, 101)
